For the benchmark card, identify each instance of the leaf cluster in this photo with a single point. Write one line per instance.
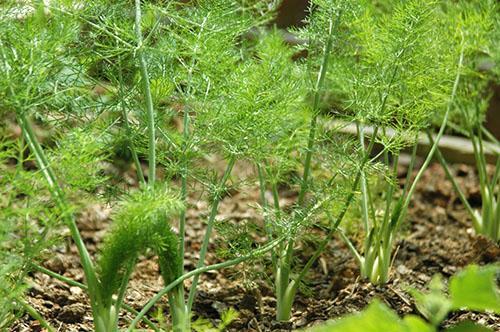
(390, 69)
(142, 220)
(257, 113)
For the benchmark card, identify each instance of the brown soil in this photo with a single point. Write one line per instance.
(438, 239)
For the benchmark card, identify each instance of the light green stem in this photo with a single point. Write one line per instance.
(315, 109)
(271, 245)
(283, 270)
(128, 130)
(287, 294)
(147, 96)
(58, 196)
(434, 147)
(208, 231)
(36, 315)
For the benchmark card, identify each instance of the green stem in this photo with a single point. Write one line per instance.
(74, 283)
(390, 187)
(208, 231)
(489, 135)
(378, 252)
(434, 147)
(315, 109)
(352, 248)
(58, 196)
(265, 207)
(147, 95)
(284, 262)
(121, 294)
(36, 315)
(197, 272)
(286, 292)
(184, 176)
(364, 194)
(128, 130)
(343, 212)
(456, 187)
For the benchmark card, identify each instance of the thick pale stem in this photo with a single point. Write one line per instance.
(181, 318)
(285, 303)
(147, 96)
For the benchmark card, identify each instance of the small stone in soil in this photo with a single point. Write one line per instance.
(72, 313)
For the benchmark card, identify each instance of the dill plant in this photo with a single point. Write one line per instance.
(40, 80)
(324, 183)
(143, 59)
(478, 20)
(393, 72)
(241, 99)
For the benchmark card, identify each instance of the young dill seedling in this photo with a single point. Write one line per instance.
(315, 195)
(396, 73)
(139, 66)
(480, 27)
(43, 77)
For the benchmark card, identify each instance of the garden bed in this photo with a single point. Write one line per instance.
(438, 239)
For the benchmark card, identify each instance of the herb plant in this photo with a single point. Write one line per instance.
(480, 26)
(394, 74)
(168, 87)
(57, 85)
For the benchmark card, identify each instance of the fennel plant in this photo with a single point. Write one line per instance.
(481, 28)
(56, 83)
(401, 76)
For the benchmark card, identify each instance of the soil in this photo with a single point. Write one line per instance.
(438, 239)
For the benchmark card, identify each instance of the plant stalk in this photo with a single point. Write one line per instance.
(197, 272)
(208, 231)
(147, 96)
(58, 196)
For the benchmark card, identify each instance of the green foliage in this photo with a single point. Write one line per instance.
(78, 158)
(29, 225)
(141, 221)
(190, 80)
(476, 289)
(479, 32)
(477, 25)
(473, 289)
(394, 70)
(397, 72)
(254, 114)
(38, 71)
(377, 317)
